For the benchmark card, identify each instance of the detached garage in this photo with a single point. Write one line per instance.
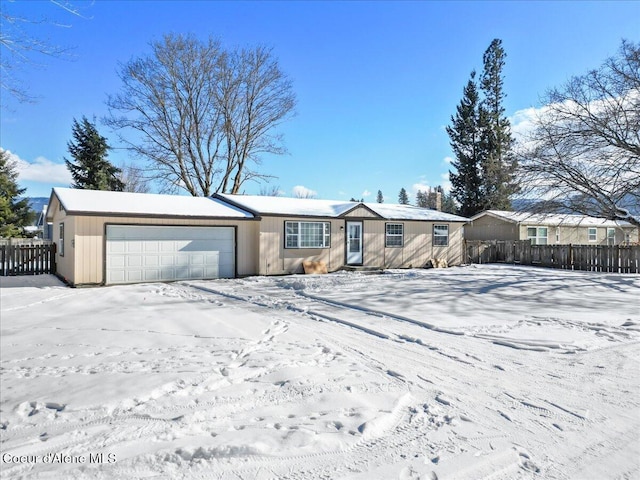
(107, 238)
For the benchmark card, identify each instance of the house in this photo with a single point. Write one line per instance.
(549, 229)
(341, 233)
(119, 237)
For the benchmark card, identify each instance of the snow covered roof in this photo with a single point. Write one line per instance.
(306, 207)
(568, 220)
(409, 212)
(75, 200)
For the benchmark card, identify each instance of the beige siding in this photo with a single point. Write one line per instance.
(491, 228)
(361, 212)
(64, 263)
(89, 243)
(277, 260)
(580, 235)
(417, 249)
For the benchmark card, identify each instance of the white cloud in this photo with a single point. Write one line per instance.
(445, 183)
(522, 121)
(300, 191)
(366, 194)
(421, 186)
(448, 160)
(40, 170)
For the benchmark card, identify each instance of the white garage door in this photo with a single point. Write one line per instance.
(156, 253)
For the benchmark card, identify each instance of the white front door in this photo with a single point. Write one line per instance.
(354, 243)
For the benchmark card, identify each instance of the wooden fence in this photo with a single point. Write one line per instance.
(27, 259)
(591, 258)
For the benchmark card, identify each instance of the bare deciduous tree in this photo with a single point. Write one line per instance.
(201, 114)
(22, 43)
(133, 178)
(583, 154)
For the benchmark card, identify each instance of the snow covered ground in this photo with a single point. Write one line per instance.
(477, 372)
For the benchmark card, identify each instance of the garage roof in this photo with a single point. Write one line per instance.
(97, 202)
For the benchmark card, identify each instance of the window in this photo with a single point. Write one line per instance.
(557, 234)
(611, 236)
(61, 241)
(537, 235)
(307, 235)
(395, 235)
(441, 235)
(593, 234)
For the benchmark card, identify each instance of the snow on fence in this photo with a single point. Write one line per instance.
(592, 258)
(27, 259)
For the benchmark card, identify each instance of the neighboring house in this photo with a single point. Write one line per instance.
(549, 229)
(120, 237)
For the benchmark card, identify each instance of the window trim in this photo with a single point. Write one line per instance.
(595, 234)
(388, 235)
(326, 234)
(435, 226)
(61, 239)
(611, 239)
(535, 240)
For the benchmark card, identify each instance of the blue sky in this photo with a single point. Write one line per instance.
(376, 82)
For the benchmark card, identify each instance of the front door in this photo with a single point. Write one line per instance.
(354, 243)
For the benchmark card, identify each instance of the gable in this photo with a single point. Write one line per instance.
(361, 212)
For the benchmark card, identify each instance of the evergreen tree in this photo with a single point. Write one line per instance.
(403, 198)
(15, 213)
(422, 199)
(89, 149)
(379, 197)
(464, 134)
(449, 204)
(499, 163)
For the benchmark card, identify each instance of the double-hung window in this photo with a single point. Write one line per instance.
(394, 235)
(593, 234)
(307, 234)
(538, 235)
(611, 236)
(441, 235)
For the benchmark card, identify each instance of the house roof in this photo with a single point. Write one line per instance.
(306, 207)
(96, 202)
(552, 219)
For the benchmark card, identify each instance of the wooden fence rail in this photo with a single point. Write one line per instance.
(591, 258)
(27, 259)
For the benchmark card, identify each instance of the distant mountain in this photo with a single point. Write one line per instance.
(38, 203)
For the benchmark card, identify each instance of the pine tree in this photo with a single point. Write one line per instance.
(422, 199)
(464, 134)
(379, 197)
(499, 163)
(403, 198)
(89, 150)
(449, 203)
(15, 213)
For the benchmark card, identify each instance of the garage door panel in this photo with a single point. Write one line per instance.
(166, 260)
(159, 253)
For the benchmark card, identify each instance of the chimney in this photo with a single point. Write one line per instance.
(438, 200)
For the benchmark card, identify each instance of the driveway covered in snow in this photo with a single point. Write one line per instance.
(472, 372)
